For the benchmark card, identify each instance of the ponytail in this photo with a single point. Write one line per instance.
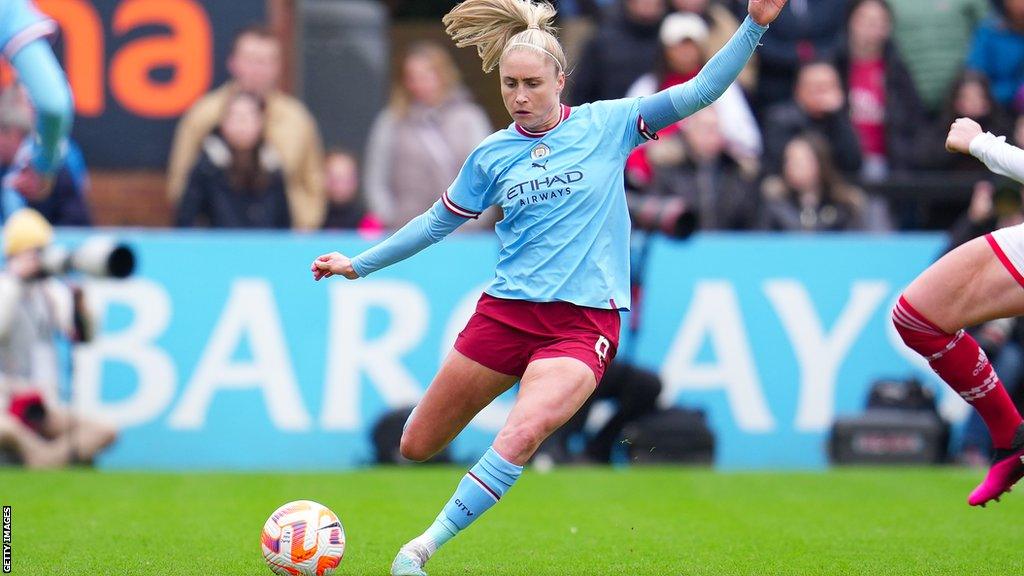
(498, 26)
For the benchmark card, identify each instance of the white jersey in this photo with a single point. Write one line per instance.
(1002, 158)
(32, 315)
(1006, 160)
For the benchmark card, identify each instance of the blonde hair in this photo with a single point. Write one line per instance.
(441, 62)
(497, 26)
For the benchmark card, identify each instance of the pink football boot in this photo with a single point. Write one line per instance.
(1007, 468)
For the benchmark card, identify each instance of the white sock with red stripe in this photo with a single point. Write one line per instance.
(481, 487)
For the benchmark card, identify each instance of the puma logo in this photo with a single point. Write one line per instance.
(543, 166)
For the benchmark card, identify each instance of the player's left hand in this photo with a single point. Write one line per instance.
(764, 12)
(960, 135)
(32, 185)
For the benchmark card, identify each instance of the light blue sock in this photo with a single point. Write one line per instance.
(480, 488)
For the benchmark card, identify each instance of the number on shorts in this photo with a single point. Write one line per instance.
(601, 347)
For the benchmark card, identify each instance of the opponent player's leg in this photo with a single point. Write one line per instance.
(461, 389)
(550, 392)
(966, 287)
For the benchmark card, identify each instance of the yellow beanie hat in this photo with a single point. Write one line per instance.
(26, 229)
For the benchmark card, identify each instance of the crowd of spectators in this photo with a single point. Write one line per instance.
(843, 105)
(286, 127)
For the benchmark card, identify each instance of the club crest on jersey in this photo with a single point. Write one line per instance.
(541, 151)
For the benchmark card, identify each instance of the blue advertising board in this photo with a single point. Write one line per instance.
(222, 353)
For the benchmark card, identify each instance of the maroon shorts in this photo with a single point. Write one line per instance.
(506, 335)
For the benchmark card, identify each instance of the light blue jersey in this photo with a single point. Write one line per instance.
(20, 24)
(565, 234)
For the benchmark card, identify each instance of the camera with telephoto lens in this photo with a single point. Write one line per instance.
(98, 257)
(671, 215)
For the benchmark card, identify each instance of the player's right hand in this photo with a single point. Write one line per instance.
(330, 264)
(764, 12)
(960, 135)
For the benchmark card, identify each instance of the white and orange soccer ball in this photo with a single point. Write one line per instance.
(303, 538)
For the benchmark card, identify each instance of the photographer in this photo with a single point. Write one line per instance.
(34, 311)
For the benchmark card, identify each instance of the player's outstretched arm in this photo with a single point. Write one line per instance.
(966, 136)
(673, 104)
(422, 231)
(40, 73)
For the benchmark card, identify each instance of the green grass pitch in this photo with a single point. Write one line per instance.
(657, 521)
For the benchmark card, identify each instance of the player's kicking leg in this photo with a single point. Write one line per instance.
(970, 285)
(550, 392)
(461, 389)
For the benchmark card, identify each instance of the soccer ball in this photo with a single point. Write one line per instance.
(303, 538)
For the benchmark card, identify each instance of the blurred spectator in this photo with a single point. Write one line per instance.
(62, 201)
(806, 31)
(1018, 131)
(818, 105)
(34, 312)
(997, 51)
(346, 209)
(420, 141)
(737, 7)
(722, 24)
(695, 167)
(810, 196)
(884, 106)
(589, 9)
(989, 210)
(577, 21)
(620, 51)
(684, 39)
(255, 66)
(934, 38)
(237, 182)
(969, 97)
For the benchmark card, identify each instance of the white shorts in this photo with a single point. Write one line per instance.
(1008, 244)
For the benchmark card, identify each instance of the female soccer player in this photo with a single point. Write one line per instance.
(977, 282)
(550, 318)
(22, 33)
